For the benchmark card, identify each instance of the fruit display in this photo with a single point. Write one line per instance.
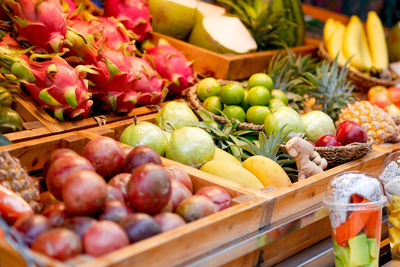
(356, 218)
(10, 120)
(87, 64)
(101, 201)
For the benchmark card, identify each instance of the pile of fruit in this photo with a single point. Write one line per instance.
(251, 25)
(10, 120)
(71, 59)
(82, 213)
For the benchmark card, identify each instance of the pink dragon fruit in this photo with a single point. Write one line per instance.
(40, 22)
(69, 6)
(172, 65)
(134, 14)
(106, 32)
(125, 81)
(53, 83)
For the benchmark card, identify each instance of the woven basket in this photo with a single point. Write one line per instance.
(196, 103)
(360, 80)
(336, 155)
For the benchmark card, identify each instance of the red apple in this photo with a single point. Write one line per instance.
(216, 194)
(328, 140)
(344, 124)
(351, 133)
(179, 175)
(394, 94)
(380, 100)
(106, 156)
(141, 155)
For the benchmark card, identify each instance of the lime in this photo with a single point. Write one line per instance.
(274, 104)
(257, 114)
(278, 94)
(259, 96)
(261, 79)
(284, 117)
(235, 112)
(208, 87)
(245, 102)
(213, 104)
(232, 94)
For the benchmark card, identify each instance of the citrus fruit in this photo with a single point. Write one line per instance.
(245, 102)
(236, 112)
(261, 79)
(274, 104)
(284, 117)
(191, 146)
(317, 124)
(147, 134)
(257, 114)
(232, 94)
(213, 104)
(278, 94)
(208, 87)
(259, 96)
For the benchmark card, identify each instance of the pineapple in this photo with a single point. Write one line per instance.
(16, 178)
(379, 126)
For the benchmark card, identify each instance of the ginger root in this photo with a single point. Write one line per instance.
(308, 161)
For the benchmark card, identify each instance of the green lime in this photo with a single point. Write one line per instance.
(274, 104)
(235, 112)
(245, 102)
(259, 96)
(213, 104)
(261, 79)
(257, 114)
(232, 94)
(278, 94)
(208, 87)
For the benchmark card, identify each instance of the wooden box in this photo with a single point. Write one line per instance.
(172, 248)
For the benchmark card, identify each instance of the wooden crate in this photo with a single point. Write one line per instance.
(231, 66)
(173, 247)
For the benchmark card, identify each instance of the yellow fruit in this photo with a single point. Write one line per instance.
(394, 235)
(329, 28)
(379, 126)
(267, 171)
(395, 221)
(365, 53)
(334, 43)
(354, 45)
(232, 172)
(377, 41)
(225, 156)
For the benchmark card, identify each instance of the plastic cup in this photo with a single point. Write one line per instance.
(356, 221)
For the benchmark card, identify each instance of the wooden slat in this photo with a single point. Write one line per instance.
(323, 14)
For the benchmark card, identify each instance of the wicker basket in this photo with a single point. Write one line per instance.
(196, 103)
(360, 80)
(336, 155)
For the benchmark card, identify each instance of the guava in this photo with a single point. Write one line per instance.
(317, 124)
(175, 115)
(147, 134)
(284, 117)
(191, 146)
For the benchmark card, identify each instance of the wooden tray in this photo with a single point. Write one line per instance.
(231, 66)
(173, 247)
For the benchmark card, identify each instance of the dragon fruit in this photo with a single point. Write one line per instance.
(125, 81)
(172, 65)
(53, 83)
(134, 14)
(39, 22)
(68, 6)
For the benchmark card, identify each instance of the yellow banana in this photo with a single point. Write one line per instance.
(377, 42)
(225, 156)
(334, 43)
(232, 172)
(267, 171)
(329, 28)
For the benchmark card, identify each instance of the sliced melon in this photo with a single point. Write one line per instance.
(173, 17)
(223, 35)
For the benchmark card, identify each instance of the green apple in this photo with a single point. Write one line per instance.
(317, 124)
(175, 115)
(284, 117)
(145, 134)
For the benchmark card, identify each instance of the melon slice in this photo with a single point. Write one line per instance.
(223, 35)
(173, 17)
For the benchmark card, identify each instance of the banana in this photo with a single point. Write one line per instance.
(355, 46)
(329, 28)
(377, 41)
(225, 156)
(267, 171)
(232, 172)
(334, 43)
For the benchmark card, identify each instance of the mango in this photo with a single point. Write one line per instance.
(225, 156)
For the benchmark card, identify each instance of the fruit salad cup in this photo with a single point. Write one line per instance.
(355, 201)
(390, 179)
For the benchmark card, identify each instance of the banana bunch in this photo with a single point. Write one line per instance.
(366, 50)
(256, 172)
(394, 231)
